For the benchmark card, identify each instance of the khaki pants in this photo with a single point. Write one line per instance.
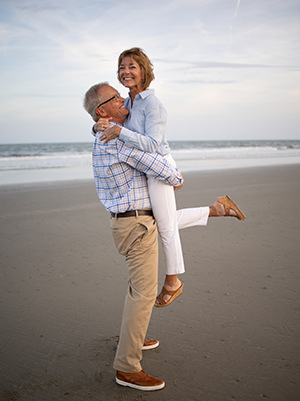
(136, 239)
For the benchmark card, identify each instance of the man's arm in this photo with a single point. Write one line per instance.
(148, 163)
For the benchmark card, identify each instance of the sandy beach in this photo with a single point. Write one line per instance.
(234, 334)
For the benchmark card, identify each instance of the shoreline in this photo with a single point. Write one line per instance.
(78, 173)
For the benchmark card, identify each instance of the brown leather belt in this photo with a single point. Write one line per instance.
(133, 213)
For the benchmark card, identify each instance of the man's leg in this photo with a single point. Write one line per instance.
(136, 239)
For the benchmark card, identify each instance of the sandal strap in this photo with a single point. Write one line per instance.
(227, 210)
(164, 291)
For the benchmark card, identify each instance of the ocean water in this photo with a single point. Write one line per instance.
(24, 163)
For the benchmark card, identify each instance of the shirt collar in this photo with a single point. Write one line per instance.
(144, 94)
(113, 122)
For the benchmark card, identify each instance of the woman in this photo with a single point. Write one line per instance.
(145, 129)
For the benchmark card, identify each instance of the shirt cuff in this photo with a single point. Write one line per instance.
(124, 134)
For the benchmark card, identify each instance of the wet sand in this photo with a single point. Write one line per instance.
(232, 335)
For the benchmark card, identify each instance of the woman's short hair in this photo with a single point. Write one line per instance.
(140, 57)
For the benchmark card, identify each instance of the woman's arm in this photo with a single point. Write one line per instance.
(151, 123)
(147, 127)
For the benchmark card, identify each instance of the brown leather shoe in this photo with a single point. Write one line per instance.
(150, 343)
(230, 204)
(160, 302)
(140, 381)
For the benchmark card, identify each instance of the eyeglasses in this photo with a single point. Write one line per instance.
(116, 96)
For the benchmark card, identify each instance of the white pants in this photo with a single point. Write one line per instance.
(169, 220)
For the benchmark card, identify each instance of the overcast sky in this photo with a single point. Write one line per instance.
(225, 69)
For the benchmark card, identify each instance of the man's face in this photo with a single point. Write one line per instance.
(115, 107)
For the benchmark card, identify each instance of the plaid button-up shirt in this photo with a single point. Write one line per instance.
(120, 175)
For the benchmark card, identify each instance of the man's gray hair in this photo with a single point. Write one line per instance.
(92, 99)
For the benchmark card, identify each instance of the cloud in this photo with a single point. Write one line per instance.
(203, 81)
(216, 64)
(53, 50)
(47, 96)
(9, 33)
(39, 7)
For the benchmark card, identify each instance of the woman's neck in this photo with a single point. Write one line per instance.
(133, 92)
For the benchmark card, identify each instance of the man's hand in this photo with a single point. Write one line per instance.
(179, 186)
(102, 124)
(110, 133)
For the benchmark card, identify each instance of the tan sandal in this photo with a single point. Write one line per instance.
(173, 294)
(229, 204)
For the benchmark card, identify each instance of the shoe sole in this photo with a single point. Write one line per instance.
(142, 388)
(145, 347)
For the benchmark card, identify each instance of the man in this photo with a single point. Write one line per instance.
(121, 184)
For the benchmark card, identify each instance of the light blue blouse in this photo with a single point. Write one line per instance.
(145, 126)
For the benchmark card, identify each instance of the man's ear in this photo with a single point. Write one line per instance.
(101, 113)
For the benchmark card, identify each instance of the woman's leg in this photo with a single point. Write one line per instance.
(169, 220)
(195, 216)
(164, 209)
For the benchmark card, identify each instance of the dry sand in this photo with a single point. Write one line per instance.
(232, 335)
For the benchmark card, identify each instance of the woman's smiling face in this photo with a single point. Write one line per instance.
(131, 74)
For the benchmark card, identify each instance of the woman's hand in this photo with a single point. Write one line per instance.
(179, 186)
(110, 133)
(102, 124)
